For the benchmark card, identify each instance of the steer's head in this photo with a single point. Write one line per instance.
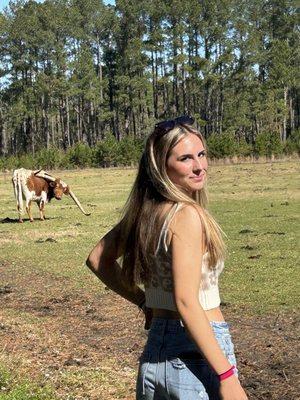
(59, 189)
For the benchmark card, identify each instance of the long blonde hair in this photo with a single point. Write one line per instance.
(141, 222)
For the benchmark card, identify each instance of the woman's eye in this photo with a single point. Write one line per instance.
(184, 158)
(202, 154)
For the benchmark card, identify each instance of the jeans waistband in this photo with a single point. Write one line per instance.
(176, 325)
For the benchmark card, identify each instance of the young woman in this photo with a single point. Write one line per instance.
(171, 244)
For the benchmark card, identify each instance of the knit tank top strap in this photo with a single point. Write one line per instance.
(162, 240)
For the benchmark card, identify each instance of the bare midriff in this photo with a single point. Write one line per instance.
(214, 314)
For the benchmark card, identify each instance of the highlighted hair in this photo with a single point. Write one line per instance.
(142, 215)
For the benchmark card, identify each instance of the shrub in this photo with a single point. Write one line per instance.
(221, 145)
(13, 162)
(106, 152)
(130, 151)
(26, 161)
(49, 158)
(79, 155)
(292, 145)
(268, 144)
(9, 162)
(244, 149)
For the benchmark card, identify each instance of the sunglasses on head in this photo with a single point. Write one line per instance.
(166, 126)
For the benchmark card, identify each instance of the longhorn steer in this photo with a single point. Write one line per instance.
(29, 186)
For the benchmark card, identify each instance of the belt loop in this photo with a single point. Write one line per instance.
(165, 325)
(144, 377)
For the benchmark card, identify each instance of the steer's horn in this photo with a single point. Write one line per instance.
(77, 202)
(45, 175)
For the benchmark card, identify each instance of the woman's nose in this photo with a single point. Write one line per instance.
(197, 166)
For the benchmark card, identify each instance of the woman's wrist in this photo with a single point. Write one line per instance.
(227, 374)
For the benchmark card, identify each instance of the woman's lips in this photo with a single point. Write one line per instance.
(198, 178)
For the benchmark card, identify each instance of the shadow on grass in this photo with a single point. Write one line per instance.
(8, 220)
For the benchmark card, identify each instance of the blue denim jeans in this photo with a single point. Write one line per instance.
(172, 368)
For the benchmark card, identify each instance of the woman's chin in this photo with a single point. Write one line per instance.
(197, 186)
(191, 189)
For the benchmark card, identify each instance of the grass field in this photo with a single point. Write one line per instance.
(54, 308)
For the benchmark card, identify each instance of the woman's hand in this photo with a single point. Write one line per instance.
(231, 389)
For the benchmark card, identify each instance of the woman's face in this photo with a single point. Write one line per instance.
(187, 164)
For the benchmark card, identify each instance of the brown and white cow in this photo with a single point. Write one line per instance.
(40, 187)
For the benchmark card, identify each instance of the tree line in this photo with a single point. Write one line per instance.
(79, 71)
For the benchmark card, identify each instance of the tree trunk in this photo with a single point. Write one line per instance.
(62, 123)
(175, 85)
(207, 94)
(154, 86)
(77, 123)
(292, 114)
(52, 123)
(134, 123)
(283, 133)
(183, 83)
(45, 122)
(68, 137)
(99, 69)
(35, 130)
(3, 137)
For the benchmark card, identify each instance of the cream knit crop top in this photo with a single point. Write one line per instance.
(159, 290)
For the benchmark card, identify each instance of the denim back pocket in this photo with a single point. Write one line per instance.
(189, 371)
(188, 358)
(142, 379)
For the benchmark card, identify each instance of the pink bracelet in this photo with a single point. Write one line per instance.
(227, 374)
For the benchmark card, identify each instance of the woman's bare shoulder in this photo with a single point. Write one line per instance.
(189, 211)
(187, 219)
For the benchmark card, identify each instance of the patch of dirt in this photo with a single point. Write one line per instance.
(254, 256)
(6, 237)
(40, 236)
(49, 330)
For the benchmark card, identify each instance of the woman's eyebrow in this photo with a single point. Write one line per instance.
(184, 155)
(190, 154)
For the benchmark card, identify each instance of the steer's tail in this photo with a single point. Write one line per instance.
(16, 179)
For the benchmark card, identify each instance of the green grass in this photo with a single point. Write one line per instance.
(12, 388)
(90, 378)
(262, 199)
(256, 205)
(261, 271)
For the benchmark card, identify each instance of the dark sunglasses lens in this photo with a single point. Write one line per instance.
(185, 120)
(165, 125)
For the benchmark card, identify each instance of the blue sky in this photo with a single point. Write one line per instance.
(4, 3)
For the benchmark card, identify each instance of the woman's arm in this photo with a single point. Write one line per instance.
(187, 252)
(103, 262)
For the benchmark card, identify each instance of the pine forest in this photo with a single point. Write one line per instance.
(80, 76)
